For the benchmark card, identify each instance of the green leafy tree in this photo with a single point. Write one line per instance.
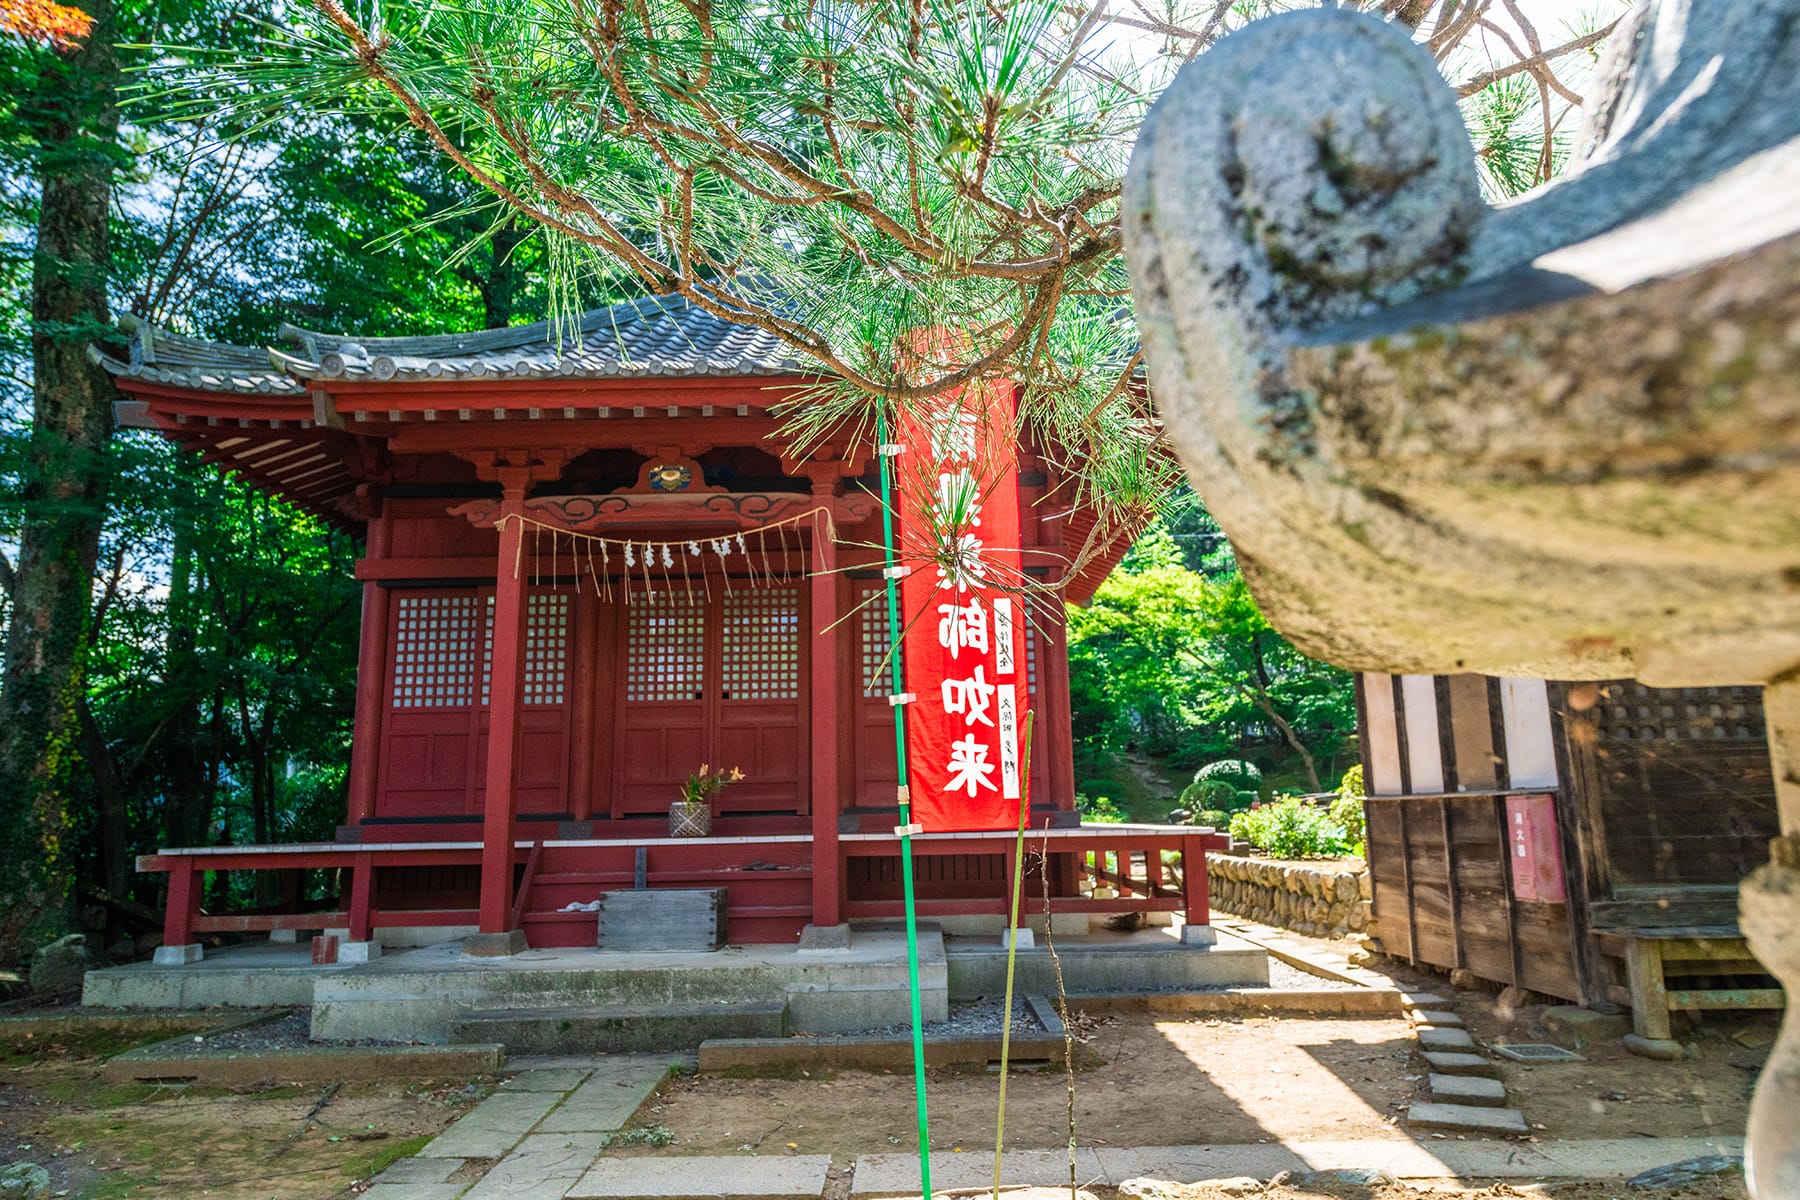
(1167, 656)
(842, 175)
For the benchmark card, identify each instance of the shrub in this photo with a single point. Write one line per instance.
(1352, 782)
(1290, 828)
(1346, 812)
(1210, 793)
(1097, 809)
(1241, 775)
(1218, 818)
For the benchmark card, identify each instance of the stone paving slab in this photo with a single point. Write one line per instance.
(550, 1079)
(419, 1170)
(544, 1167)
(1466, 1118)
(1453, 1063)
(1432, 1038)
(1467, 1089)
(898, 1174)
(617, 1089)
(1435, 1017)
(492, 1127)
(415, 1191)
(731, 1177)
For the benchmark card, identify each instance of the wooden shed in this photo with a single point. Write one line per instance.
(1582, 840)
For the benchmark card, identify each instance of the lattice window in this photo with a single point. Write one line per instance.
(435, 647)
(1628, 711)
(546, 649)
(1030, 660)
(762, 644)
(876, 672)
(665, 650)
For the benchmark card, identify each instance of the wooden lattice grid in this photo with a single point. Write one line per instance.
(435, 643)
(665, 650)
(1628, 711)
(762, 644)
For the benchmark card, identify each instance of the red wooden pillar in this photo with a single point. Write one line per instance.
(372, 679)
(583, 646)
(505, 697)
(827, 864)
(1053, 703)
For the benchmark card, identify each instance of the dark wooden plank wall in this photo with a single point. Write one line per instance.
(1677, 785)
(1450, 904)
(1440, 866)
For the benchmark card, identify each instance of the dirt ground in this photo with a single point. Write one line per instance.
(101, 1141)
(1152, 1080)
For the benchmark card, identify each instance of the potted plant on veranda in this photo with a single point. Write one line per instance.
(691, 816)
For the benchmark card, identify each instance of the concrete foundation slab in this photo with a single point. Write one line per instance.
(1466, 1118)
(175, 956)
(495, 945)
(1144, 960)
(358, 952)
(417, 994)
(749, 1177)
(618, 1029)
(241, 977)
(1467, 1089)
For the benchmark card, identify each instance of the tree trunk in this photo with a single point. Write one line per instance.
(1261, 699)
(506, 277)
(75, 113)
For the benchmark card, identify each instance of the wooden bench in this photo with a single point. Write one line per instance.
(1652, 955)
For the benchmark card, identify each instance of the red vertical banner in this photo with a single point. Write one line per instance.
(957, 502)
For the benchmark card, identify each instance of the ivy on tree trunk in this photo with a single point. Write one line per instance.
(74, 106)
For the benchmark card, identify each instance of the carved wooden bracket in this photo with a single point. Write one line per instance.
(691, 512)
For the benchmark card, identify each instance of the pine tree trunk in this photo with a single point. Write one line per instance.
(63, 498)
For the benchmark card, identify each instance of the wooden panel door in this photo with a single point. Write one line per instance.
(433, 697)
(665, 711)
(762, 714)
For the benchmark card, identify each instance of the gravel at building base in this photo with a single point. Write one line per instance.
(292, 1032)
(1292, 979)
(969, 1019)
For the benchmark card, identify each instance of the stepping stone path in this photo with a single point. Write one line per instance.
(547, 1127)
(1466, 1096)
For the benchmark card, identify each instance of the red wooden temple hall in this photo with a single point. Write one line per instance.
(587, 573)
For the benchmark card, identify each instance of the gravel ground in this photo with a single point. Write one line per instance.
(971, 1019)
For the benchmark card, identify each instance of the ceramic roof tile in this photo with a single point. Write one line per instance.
(661, 337)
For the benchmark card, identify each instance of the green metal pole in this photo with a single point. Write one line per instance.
(1012, 948)
(906, 862)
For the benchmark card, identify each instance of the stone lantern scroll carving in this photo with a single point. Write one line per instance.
(1559, 438)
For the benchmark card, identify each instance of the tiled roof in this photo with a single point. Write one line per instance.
(657, 337)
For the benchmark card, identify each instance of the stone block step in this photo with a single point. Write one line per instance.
(1451, 1063)
(1433, 1038)
(1435, 1017)
(614, 1029)
(1468, 1089)
(1466, 1118)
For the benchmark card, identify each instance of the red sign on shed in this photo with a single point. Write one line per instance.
(957, 499)
(1536, 851)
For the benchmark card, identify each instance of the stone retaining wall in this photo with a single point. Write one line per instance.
(1322, 902)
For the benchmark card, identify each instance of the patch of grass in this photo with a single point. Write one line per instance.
(373, 1162)
(644, 1135)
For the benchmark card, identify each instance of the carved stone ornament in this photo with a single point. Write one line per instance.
(1559, 438)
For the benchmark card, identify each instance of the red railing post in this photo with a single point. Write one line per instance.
(1196, 900)
(362, 884)
(179, 914)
